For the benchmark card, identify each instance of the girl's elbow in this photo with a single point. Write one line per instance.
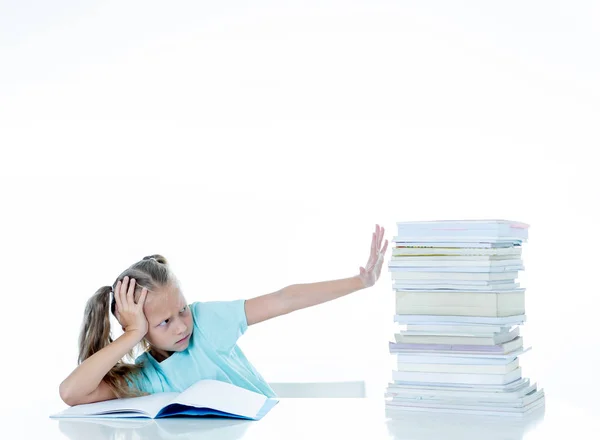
(65, 395)
(73, 396)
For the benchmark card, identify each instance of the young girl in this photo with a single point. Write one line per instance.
(183, 343)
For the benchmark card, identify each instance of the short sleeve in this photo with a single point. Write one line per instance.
(221, 322)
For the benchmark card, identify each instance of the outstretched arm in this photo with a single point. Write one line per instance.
(300, 296)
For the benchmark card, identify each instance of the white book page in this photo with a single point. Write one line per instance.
(148, 405)
(222, 396)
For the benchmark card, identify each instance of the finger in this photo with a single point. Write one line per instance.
(382, 231)
(117, 294)
(130, 292)
(142, 297)
(373, 242)
(384, 247)
(123, 290)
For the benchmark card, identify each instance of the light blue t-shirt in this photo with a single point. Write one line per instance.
(212, 353)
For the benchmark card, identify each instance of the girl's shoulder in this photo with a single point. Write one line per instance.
(143, 359)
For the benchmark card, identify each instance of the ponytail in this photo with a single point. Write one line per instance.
(95, 331)
(95, 335)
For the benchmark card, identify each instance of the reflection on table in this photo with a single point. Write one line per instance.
(404, 425)
(136, 429)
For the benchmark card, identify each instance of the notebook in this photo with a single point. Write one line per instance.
(204, 398)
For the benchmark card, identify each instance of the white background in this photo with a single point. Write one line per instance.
(256, 145)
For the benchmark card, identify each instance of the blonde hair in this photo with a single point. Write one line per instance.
(152, 272)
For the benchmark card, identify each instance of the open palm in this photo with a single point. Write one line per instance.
(370, 273)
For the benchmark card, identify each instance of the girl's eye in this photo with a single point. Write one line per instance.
(185, 309)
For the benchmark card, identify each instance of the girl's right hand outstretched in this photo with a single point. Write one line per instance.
(130, 314)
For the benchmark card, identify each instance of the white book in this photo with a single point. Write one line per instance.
(465, 238)
(464, 386)
(498, 244)
(463, 228)
(456, 356)
(456, 263)
(463, 378)
(451, 292)
(399, 286)
(463, 394)
(497, 338)
(455, 284)
(442, 258)
(502, 348)
(458, 269)
(525, 412)
(458, 368)
(492, 232)
(517, 407)
(446, 332)
(463, 224)
(452, 276)
(459, 303)
(428, 358)
(505, 310)
(515, 251)
(430, 319)
(458, 328)
(204, 398)
(438, 401)
(470, 388)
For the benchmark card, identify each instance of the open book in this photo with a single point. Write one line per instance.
(204, 398)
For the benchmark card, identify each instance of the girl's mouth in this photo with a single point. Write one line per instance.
(183, 340)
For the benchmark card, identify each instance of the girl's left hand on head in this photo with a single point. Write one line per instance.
(370, 273)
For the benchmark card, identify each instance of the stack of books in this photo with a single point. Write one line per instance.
(459, 307)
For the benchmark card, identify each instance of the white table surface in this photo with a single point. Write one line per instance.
(314, 418)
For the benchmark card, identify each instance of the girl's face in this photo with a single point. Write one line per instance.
(170, 322)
